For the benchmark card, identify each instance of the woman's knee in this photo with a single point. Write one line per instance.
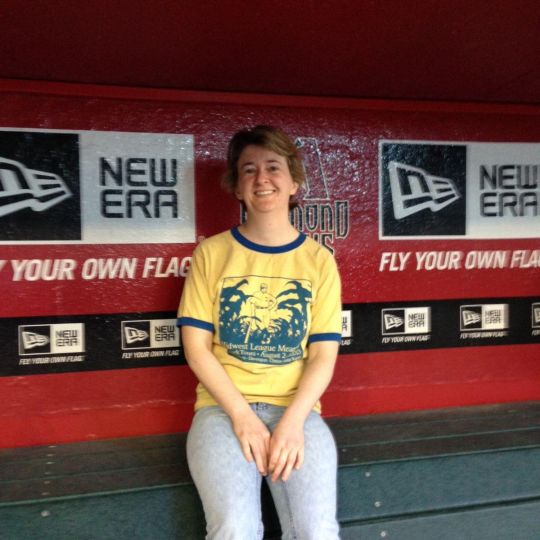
(239, 524)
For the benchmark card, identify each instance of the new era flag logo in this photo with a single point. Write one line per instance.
(470, 317)
(409, 320)
(423, 189)
(21, 187)
(484, 317)
(536, 315)
(61, 338)
(31, 340)
(133, 334)
(414, 189)
(150, 334)
(391, 321)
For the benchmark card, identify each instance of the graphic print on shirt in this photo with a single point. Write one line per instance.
(264, 319)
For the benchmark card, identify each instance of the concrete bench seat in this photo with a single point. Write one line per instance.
(463, 473)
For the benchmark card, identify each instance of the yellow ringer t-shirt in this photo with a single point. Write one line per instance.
(264, 306)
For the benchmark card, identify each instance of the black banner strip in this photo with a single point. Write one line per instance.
(73, 343)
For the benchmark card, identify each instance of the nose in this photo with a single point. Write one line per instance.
(260, 175)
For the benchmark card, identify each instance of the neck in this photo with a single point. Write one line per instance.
(268, 232)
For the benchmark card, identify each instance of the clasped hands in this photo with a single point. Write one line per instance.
(275, 454)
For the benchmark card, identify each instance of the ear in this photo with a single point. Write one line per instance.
(295, 188)
(238, 194)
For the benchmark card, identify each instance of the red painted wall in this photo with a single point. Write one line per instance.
(54, 408)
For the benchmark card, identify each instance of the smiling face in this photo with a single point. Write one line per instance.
(264, 182)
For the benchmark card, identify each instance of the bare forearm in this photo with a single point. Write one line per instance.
(287, 442)
(217, 382)
(252, 434)
(315, 379)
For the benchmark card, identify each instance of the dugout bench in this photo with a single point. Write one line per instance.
(453, 474)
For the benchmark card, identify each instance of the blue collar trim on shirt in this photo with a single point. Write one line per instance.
(267, 249)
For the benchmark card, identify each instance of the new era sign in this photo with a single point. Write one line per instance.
(459, 190)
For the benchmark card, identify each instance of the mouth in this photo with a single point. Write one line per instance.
(264, 193)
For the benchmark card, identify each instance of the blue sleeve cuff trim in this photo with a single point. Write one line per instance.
(188, 321)
(324, 337)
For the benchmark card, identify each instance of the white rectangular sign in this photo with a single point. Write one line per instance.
(459, 190)
(96, 187)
